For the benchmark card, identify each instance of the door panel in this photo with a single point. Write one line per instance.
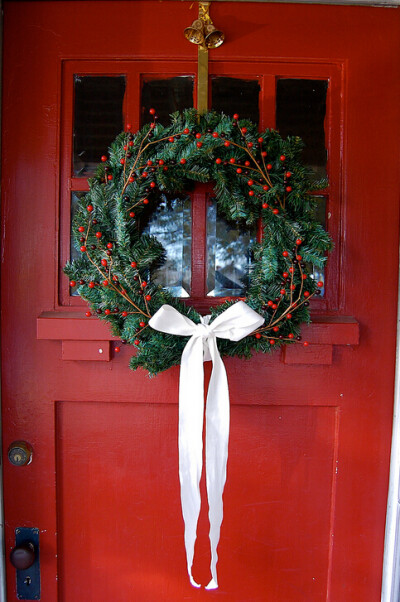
(305, 498)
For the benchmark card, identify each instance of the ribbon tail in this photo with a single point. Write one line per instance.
(191, 412)
(217, 436)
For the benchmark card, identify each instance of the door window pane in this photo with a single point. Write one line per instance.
(228, 256)
(171, 224)
(300, 111)
(98, 118)
(74, 254)
(166, 96)
(231, 95)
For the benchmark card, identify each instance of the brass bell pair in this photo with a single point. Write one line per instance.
(204, 33)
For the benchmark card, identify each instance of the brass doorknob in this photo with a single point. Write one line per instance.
(23, 556)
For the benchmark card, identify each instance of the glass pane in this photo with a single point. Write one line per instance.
(171, 223)
(74, 254)
(228, 256)
(320, 213)
(231, 95)
(98, 118)
(166, 96)
(300, 111)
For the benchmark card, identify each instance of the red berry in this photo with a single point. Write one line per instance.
(171, 139)
(144, 284)
(299, 257)
(130, 143)
(298, 241)
(289, 316)
(136, 342)
(288, 174)
(218, 161)
(104, 262)
(144, 174)
(271, 342)
(142, 324)
(98, 235)
(72, 283)
(265, 205)
(152, 111)
(288, 189)
(290, 335)
(269, 166)
(109, 177)
(152, 184)
(274, 306)
(250, 182)
(117, 349)
(304, 276)
(132, 214)
(292, 287)
(148, 297)
(250, 145)
(261, 140)
(161, 161)
(146, 201)
(282, 158)
(215, 134)
(232, 160)
(107, 312)
(149, 163)
(183, 161)
(131, 179)
(109, 245)
(104, 158)
(199, 144)
(247, 163)
(133, 264)
(88, 314)
(83, 248)
(291, 270)
(186, 131)
(306, 294)
(258, 335)
(122, 161)
(285, 254)
(275, 328)
(91, 284)
(105, 283)
(305, 344)
(320, 284)
(236, 116)
(124, 314)
(244, 131)
(128, 126)
(227, 143)
(89, 208)
(81, 229)
(270, 303)
(285, 275)
(275, 211)
(198, 135)
(239, 170)
(251, 193)
(265, 187)
(283, 291)
(264, 154)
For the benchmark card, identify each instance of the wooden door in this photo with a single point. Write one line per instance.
(308, 463)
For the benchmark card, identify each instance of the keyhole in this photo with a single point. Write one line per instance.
(27, 580)
(17, 458)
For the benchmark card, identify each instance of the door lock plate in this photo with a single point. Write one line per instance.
(28, 580)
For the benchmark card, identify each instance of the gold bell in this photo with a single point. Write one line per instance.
(195, 33)
(213, 36)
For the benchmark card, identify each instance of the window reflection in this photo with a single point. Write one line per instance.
(228, 256)
(166, 96)
(171, 224)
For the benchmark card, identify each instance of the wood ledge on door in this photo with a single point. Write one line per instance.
(90, 339)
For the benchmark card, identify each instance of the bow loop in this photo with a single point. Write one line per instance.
(234, 323)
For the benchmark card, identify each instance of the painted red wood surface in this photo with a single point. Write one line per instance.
(309, 451)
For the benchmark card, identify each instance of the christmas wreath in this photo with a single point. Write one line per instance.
(256, 176)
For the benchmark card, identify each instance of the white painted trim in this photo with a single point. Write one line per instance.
(391, 560)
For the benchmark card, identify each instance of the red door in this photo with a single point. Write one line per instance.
(305, 499)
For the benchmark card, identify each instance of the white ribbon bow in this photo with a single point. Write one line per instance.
(234, 324)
